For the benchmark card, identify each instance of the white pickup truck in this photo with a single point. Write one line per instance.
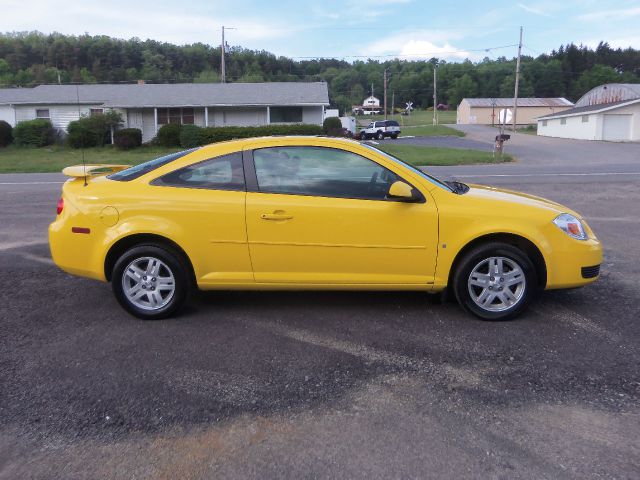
(380, 130)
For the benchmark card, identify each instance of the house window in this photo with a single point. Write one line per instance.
(563, 121)
(585, 118)
(175, 115)
(544, 123)
(95, 111)
(42, 113)
(286, 115)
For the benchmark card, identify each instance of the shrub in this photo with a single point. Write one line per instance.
(169, 135)
(332, 126)
(34, 133)
(221, 134)
(127, 138)
(90, 131)
(6, 133)
(93, 131)
(191, 136)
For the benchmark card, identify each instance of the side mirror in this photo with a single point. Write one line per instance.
(402, 192)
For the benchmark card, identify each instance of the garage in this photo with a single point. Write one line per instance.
(609, 112)
(616, 127)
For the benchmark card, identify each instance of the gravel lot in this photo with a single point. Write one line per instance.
(321, 385)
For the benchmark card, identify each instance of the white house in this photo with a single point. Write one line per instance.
(149, 106)
(370, 106)
(608, 112)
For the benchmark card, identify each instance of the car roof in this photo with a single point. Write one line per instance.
(257, 142)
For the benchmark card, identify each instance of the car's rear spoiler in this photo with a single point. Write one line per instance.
(80, 171)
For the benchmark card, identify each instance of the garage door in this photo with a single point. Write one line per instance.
(616, 127)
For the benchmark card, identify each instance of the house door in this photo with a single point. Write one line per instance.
(134, 119)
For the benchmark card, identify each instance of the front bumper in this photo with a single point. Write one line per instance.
(576, 264)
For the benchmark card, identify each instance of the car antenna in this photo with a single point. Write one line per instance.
(84, 163)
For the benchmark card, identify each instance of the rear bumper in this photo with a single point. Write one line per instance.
(74, 252)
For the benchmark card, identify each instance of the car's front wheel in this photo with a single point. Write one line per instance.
(380, 136)
(150, 282)
(495, 281)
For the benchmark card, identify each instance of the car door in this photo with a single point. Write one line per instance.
(320, 216)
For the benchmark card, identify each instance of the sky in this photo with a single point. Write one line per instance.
(344, 29)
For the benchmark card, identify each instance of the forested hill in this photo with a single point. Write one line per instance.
(33, 58)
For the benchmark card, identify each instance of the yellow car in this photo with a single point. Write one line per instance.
(311, 213)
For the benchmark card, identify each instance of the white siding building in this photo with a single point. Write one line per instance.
(609, 112)
(149, 106)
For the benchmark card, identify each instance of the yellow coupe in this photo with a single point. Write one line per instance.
(311, 213)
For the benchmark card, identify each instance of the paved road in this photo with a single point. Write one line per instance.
(541, 153)
(327, 385)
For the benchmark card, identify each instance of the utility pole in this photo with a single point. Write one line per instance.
(223, 70)
(385, 93)
(515, 93)
(393, 104)
(435, 110)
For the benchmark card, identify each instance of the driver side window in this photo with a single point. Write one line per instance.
(322, 172)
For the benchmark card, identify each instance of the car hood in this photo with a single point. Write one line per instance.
(509, 196)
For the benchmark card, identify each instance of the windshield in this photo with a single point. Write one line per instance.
(146, 167)
(430, 178)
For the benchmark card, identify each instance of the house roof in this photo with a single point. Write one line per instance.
(601, 107)
(610, 93)
(172, 95)
(522, 102)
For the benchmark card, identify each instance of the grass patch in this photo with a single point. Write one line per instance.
(417, 117)
(431, 131)
(430, 156)
(53, 159)
(529, 129)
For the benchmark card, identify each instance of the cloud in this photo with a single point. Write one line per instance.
(534, 10)
(142, 20)
(614, 14)
(415, 49)
(420, 45)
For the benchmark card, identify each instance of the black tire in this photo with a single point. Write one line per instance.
(173, 265)
(363, 135)
(394, 136)
(496, 308)
(379, 136)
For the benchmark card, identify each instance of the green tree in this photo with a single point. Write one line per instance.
(463, 87)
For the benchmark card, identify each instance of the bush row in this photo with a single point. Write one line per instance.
(193, 136)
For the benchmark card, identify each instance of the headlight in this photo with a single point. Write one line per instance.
(571, 226)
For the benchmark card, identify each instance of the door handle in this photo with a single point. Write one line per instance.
(276, 216)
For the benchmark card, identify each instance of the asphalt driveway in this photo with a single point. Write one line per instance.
(539, 154)
(321, 385)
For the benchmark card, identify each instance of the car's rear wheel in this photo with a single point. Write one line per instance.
(394, 136)
(363, 135)
(150, 282)
(495, 281)
(380, 136)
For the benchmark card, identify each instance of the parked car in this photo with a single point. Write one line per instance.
(380, 130)
(311, 213)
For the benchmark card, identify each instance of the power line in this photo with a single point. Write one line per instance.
(420, 54)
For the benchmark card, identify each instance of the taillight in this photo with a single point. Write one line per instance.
(60, 205)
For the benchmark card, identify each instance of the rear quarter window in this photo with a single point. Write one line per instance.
(146, 167)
